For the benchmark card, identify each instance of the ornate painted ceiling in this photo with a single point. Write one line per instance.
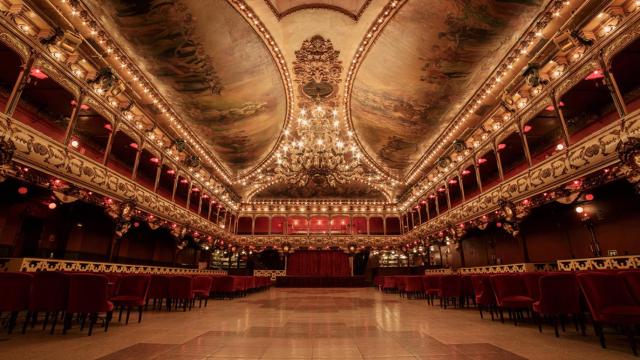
(404, 79)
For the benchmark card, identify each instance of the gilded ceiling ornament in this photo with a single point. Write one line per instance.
(317, 68)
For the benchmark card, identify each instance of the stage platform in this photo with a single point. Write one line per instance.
(320, 281)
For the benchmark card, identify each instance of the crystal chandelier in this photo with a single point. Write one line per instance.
(317, 151)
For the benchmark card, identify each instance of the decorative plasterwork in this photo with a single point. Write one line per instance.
(317, 69)
(321, 241)
(318, 5)
(590, 154)
(40, 152)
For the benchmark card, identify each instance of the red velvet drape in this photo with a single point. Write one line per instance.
(318, 263)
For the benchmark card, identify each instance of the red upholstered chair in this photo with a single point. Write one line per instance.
(181, 291)
(468, 293)
(531, 281)
(378, 281)
(158, 290)
(401, 284)
(14, 295)
(611, 303)
(413, 287)
(511, 294)
(484, 295)
(389, 284)
(223, 286)
(632, 278)
(559, 296)
(49, 295)
(202, 288)
(132, 291)
(88, 295)
(431, 284)
(450, 290)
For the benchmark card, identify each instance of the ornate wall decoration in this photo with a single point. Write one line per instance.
(317, 68)
(629, 154)
(34, 265)
(38, 151)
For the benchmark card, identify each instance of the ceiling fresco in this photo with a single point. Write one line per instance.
(427, 61)
(211, 66)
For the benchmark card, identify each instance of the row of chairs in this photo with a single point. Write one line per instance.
(611, 297)
(61, 295)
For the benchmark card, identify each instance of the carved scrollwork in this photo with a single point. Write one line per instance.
(629, 155)
(317, 67)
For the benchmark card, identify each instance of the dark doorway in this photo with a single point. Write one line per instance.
(29, 236)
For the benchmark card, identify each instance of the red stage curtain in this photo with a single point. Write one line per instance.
(318, 263)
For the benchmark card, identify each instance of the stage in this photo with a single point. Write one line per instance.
(320, 281)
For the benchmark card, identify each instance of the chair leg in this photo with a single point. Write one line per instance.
(480, 309)
(26, 322)
(120, 314)
(67, 323)
(126, 322)
(491, 311)
(92, 320)
(555, 325)
(632, 340)
(536, 316)
(108, 320)
(205, 301)
(55, 321)
(598, 329)
(501, 315)
(82, 321)
(46, 320)
(139, 314)
(34, 319)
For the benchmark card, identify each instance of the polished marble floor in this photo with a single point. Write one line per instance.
(313, 324)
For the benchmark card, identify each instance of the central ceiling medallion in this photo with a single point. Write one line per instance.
(317, 69)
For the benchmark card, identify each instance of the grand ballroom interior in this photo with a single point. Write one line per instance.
(319, 179)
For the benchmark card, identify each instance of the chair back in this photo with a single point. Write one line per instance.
(532, 282)
(603, 290)
(158, 287)
(413, 284)
(632, 278)
(16, 289)
(181, 287)
(202, 284)
(506, 285)
(559, 294)
(88, 293)
(483, 290)
(134, 285)
(49, 291)
(450, 285)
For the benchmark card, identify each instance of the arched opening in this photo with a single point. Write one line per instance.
(9, 70)
(319, 225)
(359, 225)
(340, 225)
(206, 204)
(261, 226)
(423, 211)
(469, 182)
(441, 194)
(588, 106)
(624, 67)
(277, 225)
(45, 105)
(431, 205)
(297, 225)
(147, 169)
(376, 225)
(393, 226)
(244, 225)
(194, 200)
(182, 191)
(512, 155)
(544, 135)
(91, 133)
(167, 179)
(123, 154)
(489, 174)
(455, 194)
